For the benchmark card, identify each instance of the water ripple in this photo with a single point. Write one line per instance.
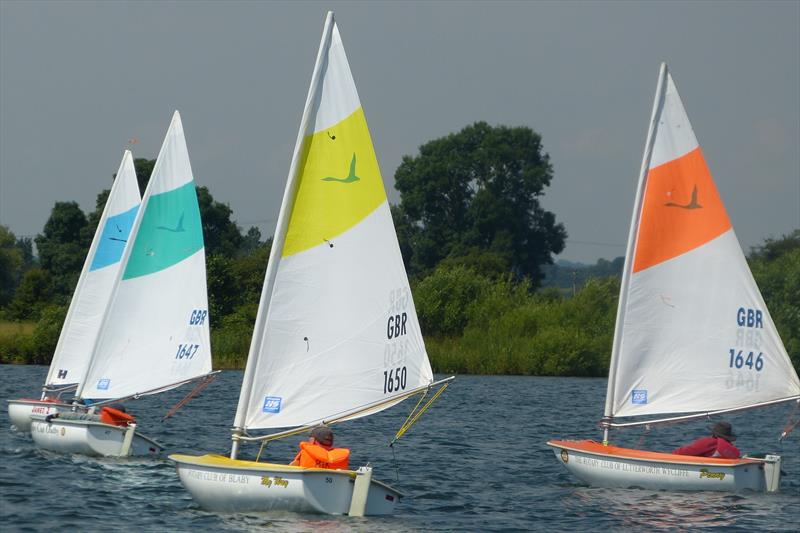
(477, 461)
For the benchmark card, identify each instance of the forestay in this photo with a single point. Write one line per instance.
(693, 333)
(155, 332)
(336, 327)
(97, 278)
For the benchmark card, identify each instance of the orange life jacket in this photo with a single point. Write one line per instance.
(315, 456)
(115, 417)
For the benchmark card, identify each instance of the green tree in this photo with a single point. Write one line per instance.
(776, 269)
(251, 241)
(11, 263)
(221, 234)
(62, 247)
(34, 292)
(144, 168)
(480, 188)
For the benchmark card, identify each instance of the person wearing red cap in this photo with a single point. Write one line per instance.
(719, 444)
(318, 451)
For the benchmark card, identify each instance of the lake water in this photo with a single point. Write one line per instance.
(476, 461)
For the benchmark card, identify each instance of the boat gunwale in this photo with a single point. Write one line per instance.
(616, 452)
(39, 401)
(81, 422)
(213, 460)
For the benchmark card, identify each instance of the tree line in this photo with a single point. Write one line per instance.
(476, 242)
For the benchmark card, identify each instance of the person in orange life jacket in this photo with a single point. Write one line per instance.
(318, 451)
(719, 444)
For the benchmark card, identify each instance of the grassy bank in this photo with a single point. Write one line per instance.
(479, 324)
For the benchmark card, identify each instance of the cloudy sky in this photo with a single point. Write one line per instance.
(78, 80)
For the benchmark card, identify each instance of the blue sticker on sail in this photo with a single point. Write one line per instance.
(103, 384)
(639, 396)
(272, 404)
(112, 240)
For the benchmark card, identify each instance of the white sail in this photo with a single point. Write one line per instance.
(155, 332)
(336, 328)
(693, 332)
(96, 281)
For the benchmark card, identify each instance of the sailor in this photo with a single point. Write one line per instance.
(719, 444)
(318, 451)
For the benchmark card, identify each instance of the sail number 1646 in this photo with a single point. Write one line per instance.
(394, 379)
(751, 360)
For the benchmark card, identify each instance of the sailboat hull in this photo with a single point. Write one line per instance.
(221, 484)
(20, 411)
(612, 466)
(89, 437)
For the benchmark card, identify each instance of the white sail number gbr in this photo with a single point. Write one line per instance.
(740, 359)
(188, 349)
(395, 377)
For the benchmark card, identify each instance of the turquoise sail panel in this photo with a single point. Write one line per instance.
(112, 241)
(170, 232)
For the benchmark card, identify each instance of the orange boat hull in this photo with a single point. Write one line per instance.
(613, 466)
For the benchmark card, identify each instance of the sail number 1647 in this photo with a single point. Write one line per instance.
(751, 360)
(186, 351)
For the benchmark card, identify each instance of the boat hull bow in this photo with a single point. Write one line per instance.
(221, 484)
(20, 411)
(612, 466)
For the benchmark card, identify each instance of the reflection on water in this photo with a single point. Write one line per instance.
(477, 461)
(643, 509)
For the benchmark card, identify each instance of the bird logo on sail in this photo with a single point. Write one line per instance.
(350, 177)
(692, 203)
(119, 230)
(176, 229)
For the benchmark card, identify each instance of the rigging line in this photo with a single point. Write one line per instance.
(202, 384)
(138, 395)
(644, 436)
(410, 414)
(595, 243)
(60, 389)
(396, 467)
(406, 427)
(261, 449)
(607, 422)
(347, 415)
(790, 426)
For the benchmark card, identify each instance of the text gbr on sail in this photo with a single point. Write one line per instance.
(396, 325)
(749, 318)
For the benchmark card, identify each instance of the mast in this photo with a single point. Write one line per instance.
(86, 265)
(278, 241)
(631, 246)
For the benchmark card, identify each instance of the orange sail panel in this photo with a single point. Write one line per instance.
(681, 210)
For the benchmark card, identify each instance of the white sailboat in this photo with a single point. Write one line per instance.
(693, 336)
(155, 332)
(96, 281)
(336, 336)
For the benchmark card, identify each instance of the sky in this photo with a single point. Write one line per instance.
(79, 80)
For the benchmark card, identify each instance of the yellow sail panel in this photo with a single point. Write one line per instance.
(339, 184)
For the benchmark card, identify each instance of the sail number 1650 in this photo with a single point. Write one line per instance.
(394, 379)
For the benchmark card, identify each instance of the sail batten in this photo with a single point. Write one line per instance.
(693, 334)
(336, 327)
